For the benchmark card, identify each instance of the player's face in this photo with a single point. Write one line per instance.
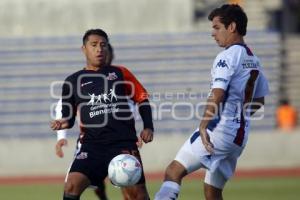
(95, 50)
(220, 33)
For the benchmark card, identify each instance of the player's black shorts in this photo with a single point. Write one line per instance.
(92, 160)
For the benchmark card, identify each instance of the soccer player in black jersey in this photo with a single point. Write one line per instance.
(99, 96)
(100, 191)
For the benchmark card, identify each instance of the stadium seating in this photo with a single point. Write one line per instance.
(291, 71)
(174, 68)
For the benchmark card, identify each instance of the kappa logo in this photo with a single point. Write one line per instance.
(82, 155)
(112, 76)
(83, 84)
(222, 63)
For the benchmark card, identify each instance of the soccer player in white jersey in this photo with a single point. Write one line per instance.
(238, 88)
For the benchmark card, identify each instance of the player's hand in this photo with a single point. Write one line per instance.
(59, 124)
(206, 141)
(147, 135)
(58, 147)
(139, 142)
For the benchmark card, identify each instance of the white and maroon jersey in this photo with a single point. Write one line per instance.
(238, 72)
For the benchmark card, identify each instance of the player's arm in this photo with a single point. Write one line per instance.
(146, 115)
(211, 109)
(61, 134)
(58, 146)
(222, 72)
(68, 108)
(140, 96)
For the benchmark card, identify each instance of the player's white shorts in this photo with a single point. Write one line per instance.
(220, 166)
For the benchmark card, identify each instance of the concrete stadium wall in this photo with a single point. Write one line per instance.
(73, 17)
(36, 156)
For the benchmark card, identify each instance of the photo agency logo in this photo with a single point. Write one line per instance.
(179, 106)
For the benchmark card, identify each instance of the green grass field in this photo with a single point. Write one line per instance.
(236, 189)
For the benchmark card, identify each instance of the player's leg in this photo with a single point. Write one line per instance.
(184, 163)
(171, 186)
(212, 193)
(80, 174)
(125, 194)
(213, 185)
(75, 184)
(215, 181)
(175, 172)
(100, 191)
(136, 192)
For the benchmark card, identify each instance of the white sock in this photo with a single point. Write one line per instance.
(169, 190)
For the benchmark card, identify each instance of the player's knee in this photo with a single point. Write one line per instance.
(76, 184)
(69, 188)
(175, 172)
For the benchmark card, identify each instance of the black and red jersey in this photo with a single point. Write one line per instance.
(100, 100)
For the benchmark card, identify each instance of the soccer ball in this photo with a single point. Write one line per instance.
(124, 170)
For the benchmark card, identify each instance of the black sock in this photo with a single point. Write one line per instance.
(71, 197)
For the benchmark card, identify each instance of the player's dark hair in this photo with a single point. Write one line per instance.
(229, 13)
(98, 31)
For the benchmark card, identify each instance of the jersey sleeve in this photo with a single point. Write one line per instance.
(61, 134)
(221, 72)
(262, 86)
(133, 87)
(58, 108)
(68, 102)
